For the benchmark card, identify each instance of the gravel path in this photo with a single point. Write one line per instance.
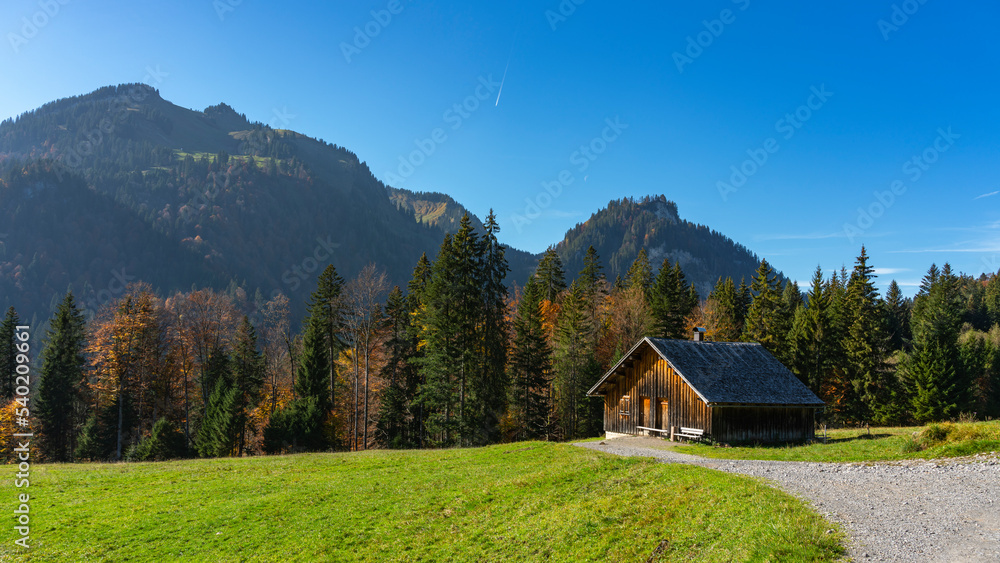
(942, 510)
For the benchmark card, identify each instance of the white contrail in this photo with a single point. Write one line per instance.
(509, 55)
(502, 80)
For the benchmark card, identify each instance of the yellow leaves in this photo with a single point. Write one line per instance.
(8, 427)
(550, 312)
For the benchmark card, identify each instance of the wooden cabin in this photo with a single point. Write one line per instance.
(730, 391)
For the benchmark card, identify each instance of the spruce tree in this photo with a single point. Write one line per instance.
(217, 435)
(672, 301)
(722, 309)
(248, 373)
(62, 375)
(575, 369)
(8, 353)
(326, 307)
(397, 427)
(866, 346)
(592, 285)
(745, 298)
(490, 382)
(812, 341)
(314, 368)
(640, 273)
(530, 365)
(935, 373)
(763, 321)
(897, 314)
(991, 299)
(441, 361)
(791, 300)
(415, 302)
(551, 277)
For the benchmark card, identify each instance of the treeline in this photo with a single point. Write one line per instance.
(458, 359)
(874, 359)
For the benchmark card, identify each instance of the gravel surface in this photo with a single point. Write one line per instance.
(917, 510)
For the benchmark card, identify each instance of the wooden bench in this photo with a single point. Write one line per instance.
(690, 433)
(660, 430)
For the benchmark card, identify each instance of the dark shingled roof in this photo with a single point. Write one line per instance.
(724, 373)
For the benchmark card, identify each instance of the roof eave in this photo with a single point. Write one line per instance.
(593, 392)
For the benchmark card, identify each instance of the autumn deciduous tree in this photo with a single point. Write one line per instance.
(119, 349)
(365, 322)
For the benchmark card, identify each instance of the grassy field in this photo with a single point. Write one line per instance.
(878, 444)
(516, 502)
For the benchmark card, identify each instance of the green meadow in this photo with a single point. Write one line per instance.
(942, 440)
(515, 502)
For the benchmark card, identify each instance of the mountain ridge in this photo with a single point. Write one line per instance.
(237, 201)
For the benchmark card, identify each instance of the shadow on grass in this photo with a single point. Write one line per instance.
(817, 441)
(859, 437)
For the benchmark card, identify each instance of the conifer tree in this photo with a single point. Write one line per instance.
(640, 274)
(551, 278)
(937, 385)
(812, 340)
(248, 365)
(592, 285)
(575, 369)
(763, 321)
(791, 300)
(745, 298)
(8, 353)
(672, 301)
(490, 382)
(218, 433)
(326, 307)
(991, 299)
(440, 332)
(397, 427)
(530, 365)
(723, 312)
(314, 368)
(865, 346)
(416, 290)
(62, 375)
(897, 315)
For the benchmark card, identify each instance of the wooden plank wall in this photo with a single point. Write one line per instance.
(763, 424)
(651, 377)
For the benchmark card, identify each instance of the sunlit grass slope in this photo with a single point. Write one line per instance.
(515, 502)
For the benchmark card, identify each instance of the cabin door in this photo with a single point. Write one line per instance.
(661, 414)
(644, 417)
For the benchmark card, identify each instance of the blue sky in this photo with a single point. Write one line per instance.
(801, 130)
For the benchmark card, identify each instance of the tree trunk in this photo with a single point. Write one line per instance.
(461, 407)
(291, 359)
(187, 413)
(367, 353)
(354, 439)
(118, 446)
(333, 376)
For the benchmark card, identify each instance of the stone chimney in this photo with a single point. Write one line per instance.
(699, 334)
